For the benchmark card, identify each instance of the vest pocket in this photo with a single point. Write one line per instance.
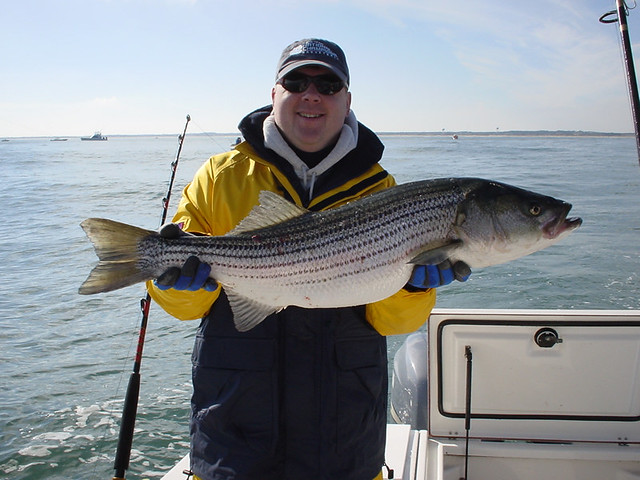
(361, 392)
(234, 401)
(228, 353)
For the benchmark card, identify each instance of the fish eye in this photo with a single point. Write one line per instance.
(535, 209)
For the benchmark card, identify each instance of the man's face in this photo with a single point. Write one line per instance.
(309, 120)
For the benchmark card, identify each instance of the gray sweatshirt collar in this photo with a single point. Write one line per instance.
(346, 142)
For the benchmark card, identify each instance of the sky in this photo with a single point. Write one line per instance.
(71, 67)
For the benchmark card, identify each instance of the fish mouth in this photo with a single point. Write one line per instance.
(560, 225)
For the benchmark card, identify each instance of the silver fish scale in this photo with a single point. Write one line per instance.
(321, 258)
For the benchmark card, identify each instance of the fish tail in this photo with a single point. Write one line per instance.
(116, 245)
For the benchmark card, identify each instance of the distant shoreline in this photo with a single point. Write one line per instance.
(460, 133)
(515, 133)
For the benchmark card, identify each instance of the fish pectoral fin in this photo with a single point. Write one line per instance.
(435, 256)
(272, 210)
(248, 313)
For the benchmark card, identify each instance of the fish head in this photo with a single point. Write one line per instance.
(498, 223)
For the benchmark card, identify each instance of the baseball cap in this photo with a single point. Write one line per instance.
(313, 51)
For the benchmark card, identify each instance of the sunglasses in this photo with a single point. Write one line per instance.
(325, 84)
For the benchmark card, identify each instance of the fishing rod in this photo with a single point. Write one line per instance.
(130, 408)
(621, 17)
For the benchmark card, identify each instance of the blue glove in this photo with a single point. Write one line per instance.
(194, 274)
(432, 276)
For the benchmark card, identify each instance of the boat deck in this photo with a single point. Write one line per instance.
(399, 439)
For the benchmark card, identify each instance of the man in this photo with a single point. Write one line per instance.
(303, 395)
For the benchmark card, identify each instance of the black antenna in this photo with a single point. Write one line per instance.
(467, 410)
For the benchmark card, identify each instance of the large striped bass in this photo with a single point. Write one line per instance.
(358, 253)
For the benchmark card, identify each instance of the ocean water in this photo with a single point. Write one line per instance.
(65, 358)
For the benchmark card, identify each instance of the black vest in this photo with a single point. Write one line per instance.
(301, 396)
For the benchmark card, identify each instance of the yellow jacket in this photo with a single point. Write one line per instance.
(223, 192)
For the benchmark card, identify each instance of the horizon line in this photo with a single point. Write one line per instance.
(576, 133)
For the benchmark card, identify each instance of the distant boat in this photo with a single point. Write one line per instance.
(237, 142)
(96, 136)
(454, 136)
(58, 139)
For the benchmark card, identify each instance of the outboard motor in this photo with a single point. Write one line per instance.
(409, 382)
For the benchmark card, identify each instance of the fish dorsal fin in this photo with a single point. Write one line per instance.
(248, 313)
(273, 209)
(435, 256)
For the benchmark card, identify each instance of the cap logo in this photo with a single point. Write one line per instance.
(313, 51)
(313, 48)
